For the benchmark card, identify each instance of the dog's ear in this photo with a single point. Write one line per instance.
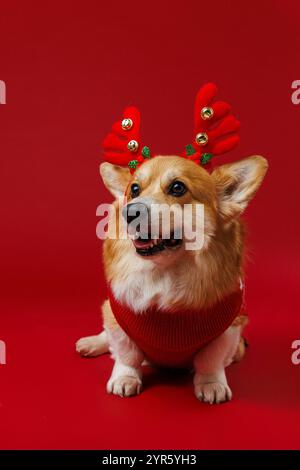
(237, 183)
(115, 178)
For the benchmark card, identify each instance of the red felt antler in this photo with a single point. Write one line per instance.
(123, 146)
(215, 132)
(216, 128)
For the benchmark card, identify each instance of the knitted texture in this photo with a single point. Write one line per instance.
(171, 338)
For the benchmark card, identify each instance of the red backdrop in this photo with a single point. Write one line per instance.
(70, 68)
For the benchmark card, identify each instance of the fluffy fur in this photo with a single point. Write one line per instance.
(179, 278)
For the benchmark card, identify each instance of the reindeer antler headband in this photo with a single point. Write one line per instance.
(215, 132)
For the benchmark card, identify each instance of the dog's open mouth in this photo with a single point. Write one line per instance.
(149, 247)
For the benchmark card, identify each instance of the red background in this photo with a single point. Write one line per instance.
(70, 68)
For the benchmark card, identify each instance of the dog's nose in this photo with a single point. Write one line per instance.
(134, 210)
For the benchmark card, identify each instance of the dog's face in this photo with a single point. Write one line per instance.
(174, 207)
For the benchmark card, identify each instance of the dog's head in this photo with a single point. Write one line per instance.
(174, 208)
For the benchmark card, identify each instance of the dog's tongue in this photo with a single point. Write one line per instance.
(139, 243)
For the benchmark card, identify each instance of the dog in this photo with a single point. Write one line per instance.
(176, 277)
(167, 304)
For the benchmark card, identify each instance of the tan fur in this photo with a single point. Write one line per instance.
(200, 277)
(181, 278)
(109, 320)
(240, 352)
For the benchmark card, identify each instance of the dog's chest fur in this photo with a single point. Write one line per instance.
(194, 282)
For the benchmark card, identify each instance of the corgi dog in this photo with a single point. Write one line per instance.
(167, 304)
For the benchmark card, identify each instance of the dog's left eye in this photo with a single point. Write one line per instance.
(134, 190)
(177, 189)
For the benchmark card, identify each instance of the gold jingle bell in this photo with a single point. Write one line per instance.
(207, 113)
(127, 124)
(132, 146)
(201, 138)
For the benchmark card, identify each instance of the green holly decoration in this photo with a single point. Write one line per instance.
(189, 149)
(133, 164)
(205, 158)
(146, 152)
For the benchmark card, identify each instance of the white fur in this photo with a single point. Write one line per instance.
(126, 377)
(92, 346)
(210, 381)
(133, 292)
(125, 381)
(131, 277)
(162, 281)
(123, 349)
(141, 284)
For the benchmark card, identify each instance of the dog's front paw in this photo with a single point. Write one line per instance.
(90, 346)
(214, 392)
(124, 386)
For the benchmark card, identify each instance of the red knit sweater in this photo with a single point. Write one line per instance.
(171, 338)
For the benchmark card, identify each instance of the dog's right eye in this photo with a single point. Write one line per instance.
(135, 190)
(177, 189)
